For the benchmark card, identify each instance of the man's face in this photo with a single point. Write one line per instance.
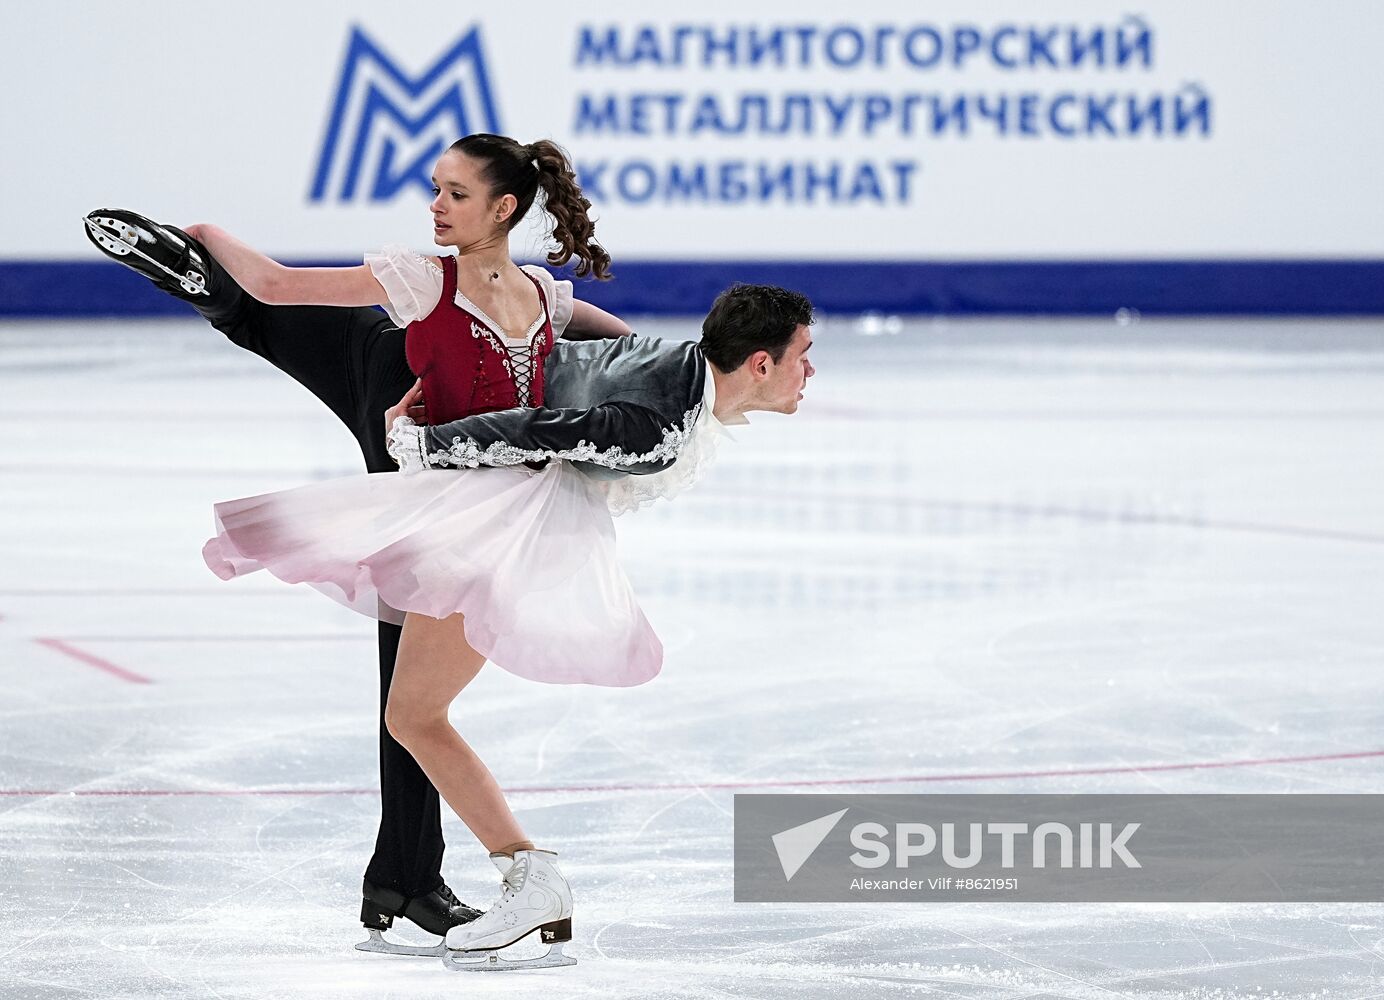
(780, 383)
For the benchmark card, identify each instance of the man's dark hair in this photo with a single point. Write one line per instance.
(749, 318)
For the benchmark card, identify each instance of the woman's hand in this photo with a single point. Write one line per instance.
(411, 406)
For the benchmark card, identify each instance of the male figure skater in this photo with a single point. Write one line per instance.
(625, 396)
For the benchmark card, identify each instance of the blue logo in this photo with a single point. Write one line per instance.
(388, 128)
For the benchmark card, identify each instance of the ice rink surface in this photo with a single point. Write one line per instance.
(999, 556)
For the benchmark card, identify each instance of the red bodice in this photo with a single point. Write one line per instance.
(464, 364)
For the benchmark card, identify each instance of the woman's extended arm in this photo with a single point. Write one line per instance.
(274, 284)
(590, 322)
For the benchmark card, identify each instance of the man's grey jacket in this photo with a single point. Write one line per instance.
(625, 405)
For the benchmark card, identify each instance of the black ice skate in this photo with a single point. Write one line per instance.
(163, 254)
(436, 912)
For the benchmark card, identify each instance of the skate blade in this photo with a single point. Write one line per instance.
(493, 961)
(118, 243)
(124, 242)
(378, 944)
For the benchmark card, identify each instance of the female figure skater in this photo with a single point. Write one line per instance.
(627, 405)
(512, 564)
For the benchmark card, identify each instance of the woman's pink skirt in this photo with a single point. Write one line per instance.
(527, 557)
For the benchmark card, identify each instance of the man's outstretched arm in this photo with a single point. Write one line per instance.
(620, 437)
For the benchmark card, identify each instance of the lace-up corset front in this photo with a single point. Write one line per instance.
(467, 365)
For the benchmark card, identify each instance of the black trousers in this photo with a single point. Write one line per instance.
(353, 361)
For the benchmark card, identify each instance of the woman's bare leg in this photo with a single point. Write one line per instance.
(435, 662)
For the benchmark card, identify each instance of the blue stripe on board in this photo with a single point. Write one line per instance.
(1168, 287)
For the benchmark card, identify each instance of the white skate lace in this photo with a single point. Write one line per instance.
(514, 878)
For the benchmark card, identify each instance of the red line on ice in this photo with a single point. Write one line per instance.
(91, 660)
(764, 783)
(239, 637)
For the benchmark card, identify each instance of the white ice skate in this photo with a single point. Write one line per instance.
(535, 898)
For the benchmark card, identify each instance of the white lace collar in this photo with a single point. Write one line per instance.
(495, 328)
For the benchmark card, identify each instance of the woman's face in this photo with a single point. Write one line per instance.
(462, 209)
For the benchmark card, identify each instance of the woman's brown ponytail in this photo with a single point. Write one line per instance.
(510, 168)
(570, 209)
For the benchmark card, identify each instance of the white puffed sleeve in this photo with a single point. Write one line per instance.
(558, 294)
(412, 282)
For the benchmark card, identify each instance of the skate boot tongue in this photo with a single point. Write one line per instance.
(504, 862)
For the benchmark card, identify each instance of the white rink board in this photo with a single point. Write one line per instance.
(221, 113)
